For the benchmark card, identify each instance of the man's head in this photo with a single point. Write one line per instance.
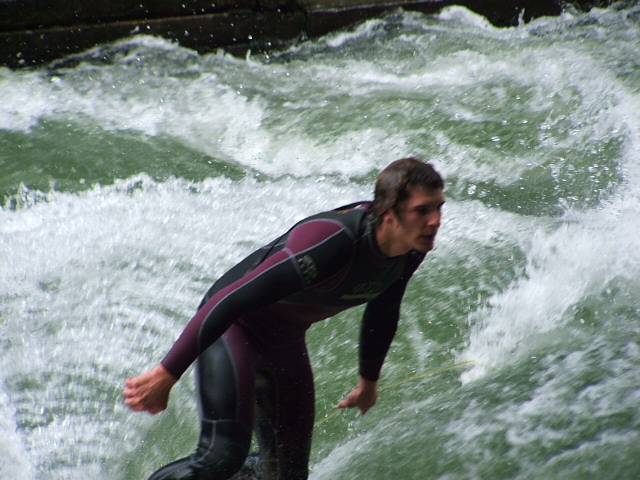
(398, 179)
(407, 207)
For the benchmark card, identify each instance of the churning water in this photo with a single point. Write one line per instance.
(132, 176)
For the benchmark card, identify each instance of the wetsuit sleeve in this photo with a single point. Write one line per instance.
(380, 322)
(314, 251)
(379, 325)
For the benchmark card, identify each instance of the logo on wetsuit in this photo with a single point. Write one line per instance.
(308, 268)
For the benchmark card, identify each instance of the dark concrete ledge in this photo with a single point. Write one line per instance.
(206, 32)
(33, 32)
(33, 14)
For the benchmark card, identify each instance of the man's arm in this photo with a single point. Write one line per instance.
(279, 276)
(276, 278)
(325, 245)
(379, 326)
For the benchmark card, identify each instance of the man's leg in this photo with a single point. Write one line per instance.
(285, 413)
(225, 382)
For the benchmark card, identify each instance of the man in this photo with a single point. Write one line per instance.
(248, 335)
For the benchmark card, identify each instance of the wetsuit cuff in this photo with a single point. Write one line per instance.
(370, 372)
(171, 369)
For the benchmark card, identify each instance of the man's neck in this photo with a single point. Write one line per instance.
(387, 242)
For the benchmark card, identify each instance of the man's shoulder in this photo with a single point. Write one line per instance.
(331, 231)
(353, 217)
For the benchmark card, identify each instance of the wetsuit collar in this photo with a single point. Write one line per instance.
(373, 243)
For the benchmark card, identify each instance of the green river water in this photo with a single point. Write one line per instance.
(134, 175)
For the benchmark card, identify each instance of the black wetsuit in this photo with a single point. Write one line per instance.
(248, 337)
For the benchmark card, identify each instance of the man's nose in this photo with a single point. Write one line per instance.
(433, 219)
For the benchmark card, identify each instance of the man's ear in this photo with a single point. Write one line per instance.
(388, 216)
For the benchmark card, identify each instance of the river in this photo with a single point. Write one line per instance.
(133, 175)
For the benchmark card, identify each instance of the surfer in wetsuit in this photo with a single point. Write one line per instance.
(248, 335)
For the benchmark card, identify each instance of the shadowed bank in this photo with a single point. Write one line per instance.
(34, 32)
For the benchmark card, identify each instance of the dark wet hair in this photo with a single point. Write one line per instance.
(397, 180)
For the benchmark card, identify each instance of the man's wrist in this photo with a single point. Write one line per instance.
(165, 374)
(368, 384)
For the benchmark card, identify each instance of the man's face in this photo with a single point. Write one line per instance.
(417, 219)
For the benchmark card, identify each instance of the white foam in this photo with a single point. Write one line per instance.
(230, 108)
(337, 462)
(15, 460)
(340, 38)
(25, 98)
(564, 265)
(578, 256)
(458, 14)
(117, 272)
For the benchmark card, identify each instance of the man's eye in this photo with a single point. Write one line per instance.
(427, 209)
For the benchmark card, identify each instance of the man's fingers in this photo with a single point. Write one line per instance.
(346, 404)
(349, 401)
(132, 398)
(131, 401)
(137, 405)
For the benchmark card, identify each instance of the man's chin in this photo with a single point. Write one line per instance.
(424, 245)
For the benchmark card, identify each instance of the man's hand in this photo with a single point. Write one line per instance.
(363, 397)
(149, 392)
